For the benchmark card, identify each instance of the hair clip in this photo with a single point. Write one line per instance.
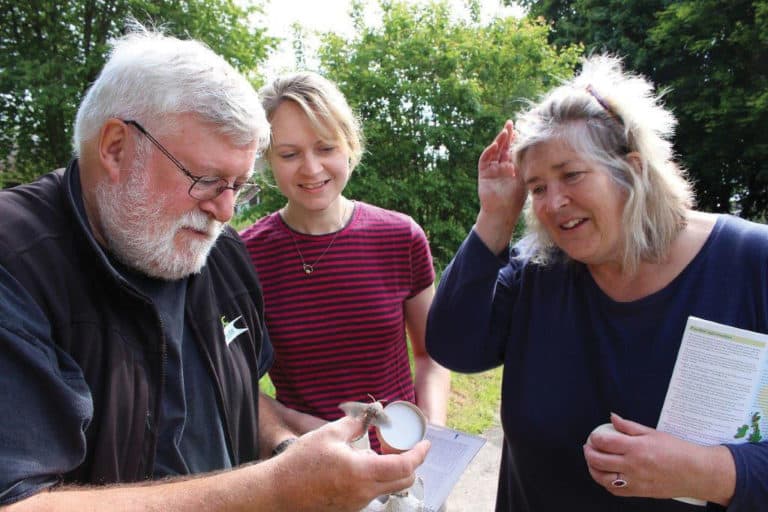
(603, 103)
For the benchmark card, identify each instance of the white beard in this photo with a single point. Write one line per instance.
(139, 233)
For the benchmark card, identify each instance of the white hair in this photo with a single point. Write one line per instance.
(151, 77)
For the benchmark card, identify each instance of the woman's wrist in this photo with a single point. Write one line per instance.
(495, 232)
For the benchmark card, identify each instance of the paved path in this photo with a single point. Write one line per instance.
(476, 489)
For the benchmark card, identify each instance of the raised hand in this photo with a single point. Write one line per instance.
(501, 190)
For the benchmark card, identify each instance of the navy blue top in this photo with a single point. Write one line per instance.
(572, 355)
(191, 436)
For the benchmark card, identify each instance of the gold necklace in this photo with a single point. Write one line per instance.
(307, 267)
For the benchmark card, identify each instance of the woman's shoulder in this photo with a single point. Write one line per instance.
(376, 215)
(264, 223)
(737, 229)
(262, 228)
(737, 239)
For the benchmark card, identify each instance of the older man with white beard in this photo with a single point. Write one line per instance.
(131, 320)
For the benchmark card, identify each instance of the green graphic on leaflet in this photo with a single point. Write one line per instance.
(752, 431)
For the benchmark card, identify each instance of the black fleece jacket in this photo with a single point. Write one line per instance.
(113, 333)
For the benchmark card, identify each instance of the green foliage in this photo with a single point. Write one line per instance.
(713, 55)
(266, 386)
(717, 67)
(51, 51)
(270, 200)
(432, 91)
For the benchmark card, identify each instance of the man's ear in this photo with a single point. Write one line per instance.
(113, 138)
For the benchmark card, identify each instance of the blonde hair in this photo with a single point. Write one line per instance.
(605, 113)
(324, 105)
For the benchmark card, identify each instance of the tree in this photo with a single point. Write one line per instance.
(51, 51)
(717, 68)
(713, 57)
(432, 91)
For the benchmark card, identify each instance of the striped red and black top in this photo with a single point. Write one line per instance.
(339, 332)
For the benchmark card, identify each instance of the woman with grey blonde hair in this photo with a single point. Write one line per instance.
(343, 280)
(633, 122)
(587, 311)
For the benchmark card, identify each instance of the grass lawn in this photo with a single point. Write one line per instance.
(473, 405)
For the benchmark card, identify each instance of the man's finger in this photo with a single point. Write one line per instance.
(348, 428)
(393, 467)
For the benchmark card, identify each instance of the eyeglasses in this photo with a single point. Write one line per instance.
(204, 188)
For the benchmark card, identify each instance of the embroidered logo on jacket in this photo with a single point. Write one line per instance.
(231, 331)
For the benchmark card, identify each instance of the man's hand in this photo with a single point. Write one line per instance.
(323, 472)
(320, 472)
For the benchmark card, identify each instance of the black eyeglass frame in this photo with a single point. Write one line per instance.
(213, 187)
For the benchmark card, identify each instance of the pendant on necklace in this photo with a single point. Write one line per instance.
(307, 268)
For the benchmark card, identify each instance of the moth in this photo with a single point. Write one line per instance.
(371, 414)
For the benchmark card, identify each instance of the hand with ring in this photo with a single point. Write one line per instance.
(631, 459)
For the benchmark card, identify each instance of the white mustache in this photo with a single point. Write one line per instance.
(199, 221)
